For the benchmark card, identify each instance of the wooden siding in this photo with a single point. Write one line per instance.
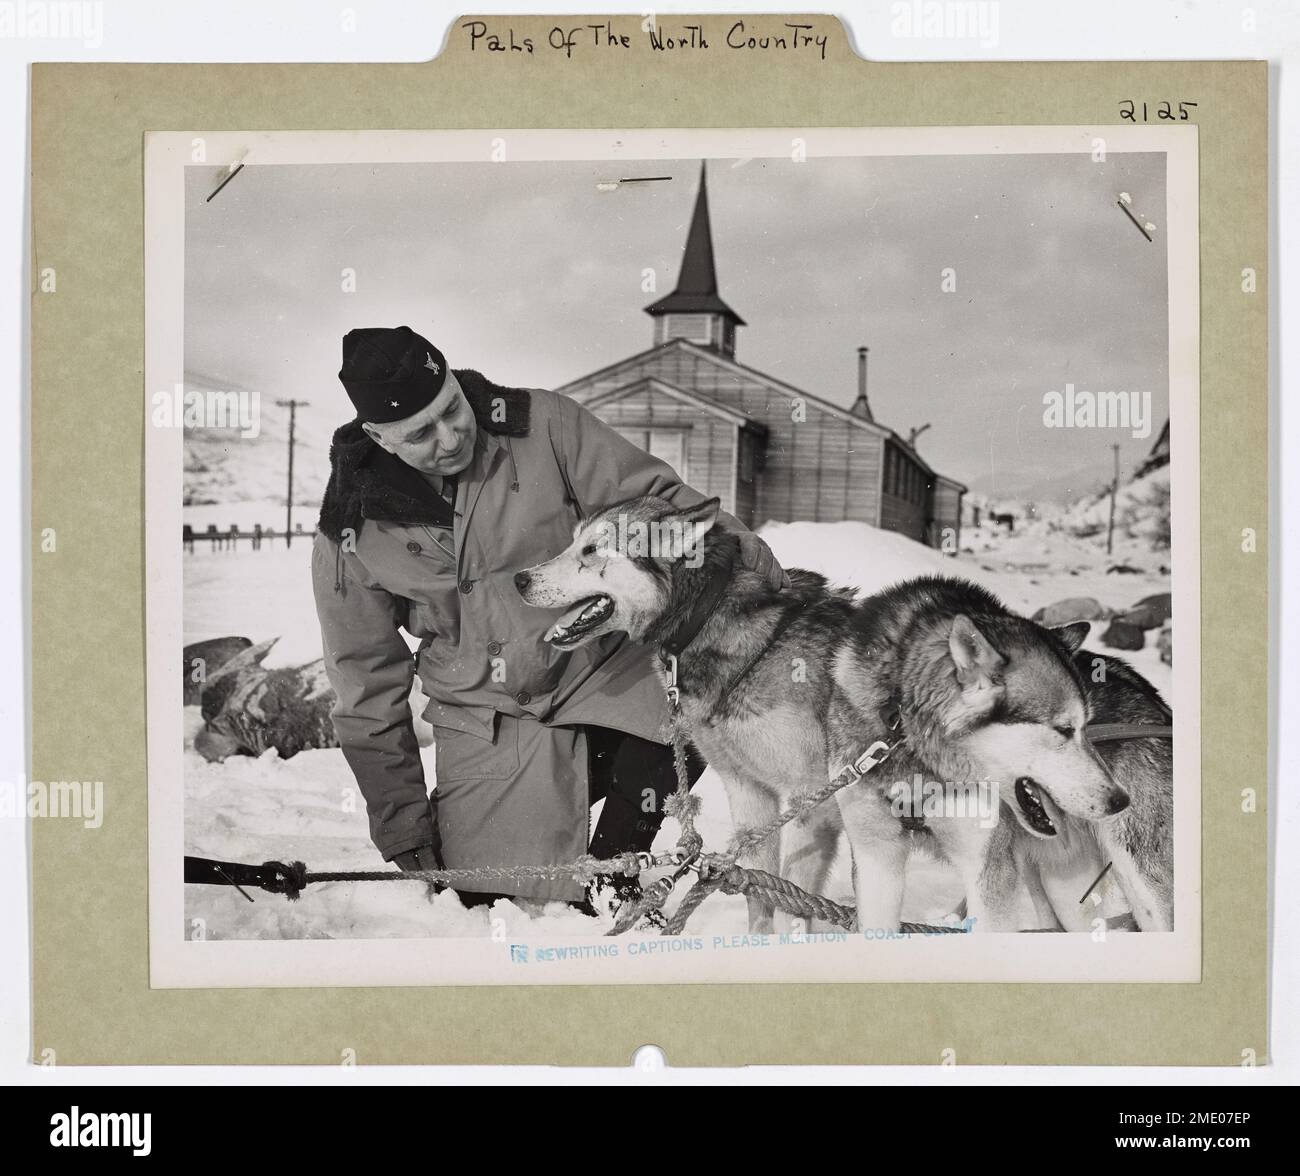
(748, 474)
(947, 508)
(907, 518)
(820, 469)
(710, 440)
(907, 494)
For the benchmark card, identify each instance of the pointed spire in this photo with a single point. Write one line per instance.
(698, 275)
(697, 281)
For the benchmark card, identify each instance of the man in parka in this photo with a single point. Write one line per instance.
(441, 489)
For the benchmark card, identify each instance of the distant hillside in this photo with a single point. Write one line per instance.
(222, 466)
(1065, 489)
(1142, 511)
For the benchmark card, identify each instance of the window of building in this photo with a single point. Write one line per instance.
(668, 445)
(745, 459)
(698, 328)
(905, 479)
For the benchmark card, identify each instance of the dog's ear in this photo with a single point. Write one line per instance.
(1072, 636)
(703, 515)
(976, 660)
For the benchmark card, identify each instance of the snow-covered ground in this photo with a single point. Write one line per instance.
(308, 808)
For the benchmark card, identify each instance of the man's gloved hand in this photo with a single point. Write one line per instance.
(757, 557)
(422, 857)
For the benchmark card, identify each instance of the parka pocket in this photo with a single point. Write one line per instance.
(462, 755)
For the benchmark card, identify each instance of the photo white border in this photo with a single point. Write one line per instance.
(176, 961)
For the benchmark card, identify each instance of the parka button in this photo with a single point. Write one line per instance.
(494, 647)
(413, 547)
(523, 698)
(467, 586)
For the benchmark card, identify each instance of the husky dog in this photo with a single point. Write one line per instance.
(782, 690)
(1138, 844)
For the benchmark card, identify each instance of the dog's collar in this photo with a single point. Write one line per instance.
(700, 612)
(891, 718)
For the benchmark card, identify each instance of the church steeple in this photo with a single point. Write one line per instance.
(694, 310)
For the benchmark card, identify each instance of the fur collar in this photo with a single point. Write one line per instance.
(356, 490)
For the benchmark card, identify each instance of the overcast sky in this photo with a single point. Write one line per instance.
(530, 274)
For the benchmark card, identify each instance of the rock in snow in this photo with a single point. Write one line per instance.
(1122, 635)
(203, 659)
(1151, 612)
(1073, 608)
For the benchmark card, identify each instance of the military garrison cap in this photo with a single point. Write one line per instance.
(390, 373)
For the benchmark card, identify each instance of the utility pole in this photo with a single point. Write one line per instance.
(1114, 490)
(292, 406)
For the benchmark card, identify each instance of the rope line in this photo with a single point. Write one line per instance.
(716, 871)
(747, 840)
(291, 878)
(721, 871)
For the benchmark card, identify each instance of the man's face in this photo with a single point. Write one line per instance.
(439, 439)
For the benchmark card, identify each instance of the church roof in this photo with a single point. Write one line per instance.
(697, 282)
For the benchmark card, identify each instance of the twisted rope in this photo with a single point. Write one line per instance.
(704, 886)
(682, 805)
(785, 894)
(747, 840)
(290, 878)
(652, 899)
(720, 871)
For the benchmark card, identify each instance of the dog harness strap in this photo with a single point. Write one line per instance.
(702, 610)
(787, 619)
(1106, 732)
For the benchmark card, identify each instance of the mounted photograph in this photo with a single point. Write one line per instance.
(673, 556)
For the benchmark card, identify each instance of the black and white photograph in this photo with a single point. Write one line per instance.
(696, 556)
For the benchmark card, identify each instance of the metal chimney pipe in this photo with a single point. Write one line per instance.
(861, 406)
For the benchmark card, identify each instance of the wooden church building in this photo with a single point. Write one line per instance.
(768, 450)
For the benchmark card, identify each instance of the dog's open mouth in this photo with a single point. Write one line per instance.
(580, 620)
(1033, 802)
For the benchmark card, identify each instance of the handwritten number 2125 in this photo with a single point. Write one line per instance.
(1164, 111)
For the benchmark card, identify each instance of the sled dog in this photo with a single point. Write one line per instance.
(782, 690)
